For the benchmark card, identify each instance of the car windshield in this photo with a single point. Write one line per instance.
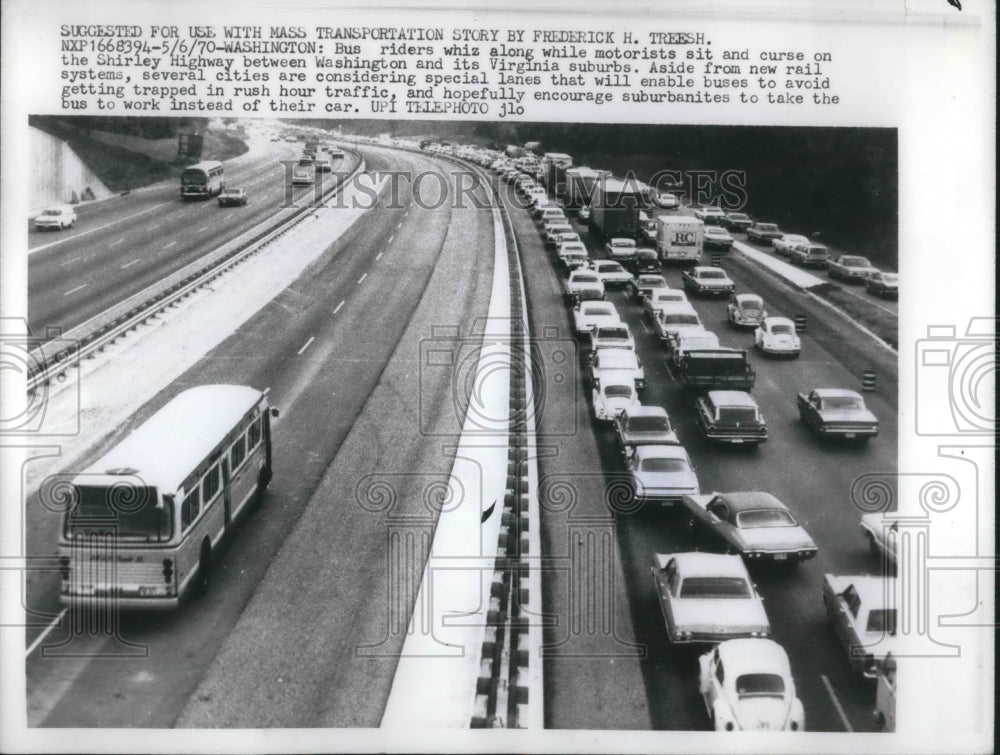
(648, 425)
(597, 309)
(712, 274)
(842, 402)
(657, 464)
(680, 319)
(647, 254)
(609, 267)
(781, 330)
(740, 414)
(616, 333)
(618, 391)
(856, 262)
(713, 588)
(758, 685)
(652, 281)
(882, 620)
(764, 518)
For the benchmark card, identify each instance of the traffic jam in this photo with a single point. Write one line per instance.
(651, 251)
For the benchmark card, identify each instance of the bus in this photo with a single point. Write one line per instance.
(203, 180)
(141, 525)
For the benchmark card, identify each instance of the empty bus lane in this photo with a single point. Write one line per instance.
(301, 587)
(133, 244)
(816, 479)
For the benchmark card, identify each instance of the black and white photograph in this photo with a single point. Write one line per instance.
(384, 428)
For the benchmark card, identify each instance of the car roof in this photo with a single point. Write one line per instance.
(678, 307)
(745, 298)
(752, 501)
(662, 452)
(731, 398)
(647, 411)
(703, 268)
(699, 563)
(645, 277)
(615, 354)
(752, 654)
(836, 392)
(622, 240)
(775, 320)
(618, 384)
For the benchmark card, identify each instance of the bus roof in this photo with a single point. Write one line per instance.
(205, 165)
(168, 446)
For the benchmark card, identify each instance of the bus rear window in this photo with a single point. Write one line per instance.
(128, 510)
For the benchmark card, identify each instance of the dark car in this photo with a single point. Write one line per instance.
(232, 197)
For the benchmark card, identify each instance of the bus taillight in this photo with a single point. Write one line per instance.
(168, 570)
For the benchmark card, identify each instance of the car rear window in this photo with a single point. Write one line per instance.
(648, 424)
(764, 518)
(664, 465)
(741, 414)
(715, 588)
(754, 685)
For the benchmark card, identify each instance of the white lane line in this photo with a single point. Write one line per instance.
(306, 345)
(98, 228)
(152, 227)
(68, 262)
(362, 278)
(836, 703)
(40, 638)
(116, 243)
(378, 256)
(392, 237)
(338, 307)
(172, 243)
(74, 290)
(129, 264)
(200, 230)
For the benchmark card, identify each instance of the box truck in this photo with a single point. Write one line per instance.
(679, 238)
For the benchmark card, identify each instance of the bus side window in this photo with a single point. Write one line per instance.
(253, 434)
(238, 452)
(189, 509)
(210, 485)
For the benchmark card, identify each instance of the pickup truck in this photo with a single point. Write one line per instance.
(863, 615)
(716, 369)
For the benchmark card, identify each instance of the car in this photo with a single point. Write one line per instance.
(612, 398)
(745, 311)
(553, 231)
(646, 284)
(56, 218)
(580, 279)
(882, 534)
(862, 612)
(574, 257)
(737, 221)
(612, 273)
(660, 298)
(644, 426)
(667, 201)
(776, 336)
(753, 524)
(546, 213)
(762, 233)
(660, 474)
(710, 215)
(784, 243)
(703, 279)
(718, 238)
(588, 315)
(614, 364)
(850, 268)
(571, 246)
(812, 254)
(646, 261)
(837, 412)
(615, 335)
(885, 694)
(562, 237)
(692, 340)
(647, 228)
(584, 212)
(747, 685)
(883, 284)
(620, 250)
(731, 417)
(322, 166)
(707, 597)
(232, 197)
(676, 320)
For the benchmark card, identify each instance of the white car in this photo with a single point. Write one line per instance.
(575, 246)
(668, 201)
(614, 365)
(708, 597)
(553, 230)
(717, 237)
(662, 298)
(612, 273)
(783, 244)
(676, 320)
(776, 335)
(863, 613)
(612, 398)
(747, 685)
(580, 279)
(882, 534)
(710, 215)
(617, 335)
(55, 218)
(697, 340)
(645, 285)
(620, 249)
(704, 279)
(746, 311)
(589, 315)
(661, 474)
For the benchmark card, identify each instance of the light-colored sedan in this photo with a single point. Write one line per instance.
(661, 474)
(676, 320)
(777, 336)
(882, 534)
(708, 597)
(783, 244)
(660, 298)
(704, 279)
(717, 237)
(617, 335)
(883, 284)
(588, 315)
(754, 524)
(747, 685)
(613, 398)
(55, 218)
(612, 273)
(581, 279)
(620, 249)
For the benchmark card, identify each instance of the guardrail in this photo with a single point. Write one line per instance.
(53, 358)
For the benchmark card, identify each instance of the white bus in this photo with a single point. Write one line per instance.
(143, 522)
(203, 180)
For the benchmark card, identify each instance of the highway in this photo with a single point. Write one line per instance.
(299, 627)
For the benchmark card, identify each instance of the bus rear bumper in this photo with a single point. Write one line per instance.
(115, 602)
